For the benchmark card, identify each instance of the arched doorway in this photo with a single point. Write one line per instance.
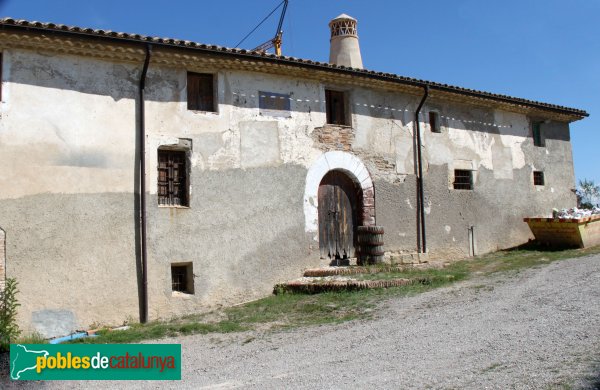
(339, 205)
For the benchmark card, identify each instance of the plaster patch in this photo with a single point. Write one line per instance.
(208, 144)
(502, 161)
(518, 156)
(259, 144)
(439, 153)
(404, 156)
(464, 164)
(54, 322)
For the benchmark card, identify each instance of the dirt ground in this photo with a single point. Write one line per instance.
(529, 330)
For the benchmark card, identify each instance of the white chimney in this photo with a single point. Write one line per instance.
(344, 49)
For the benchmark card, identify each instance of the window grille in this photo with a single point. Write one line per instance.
(182, 278)
(172, 178)
(463, 179)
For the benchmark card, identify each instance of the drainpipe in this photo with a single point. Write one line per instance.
(420, 178)
(142, 148)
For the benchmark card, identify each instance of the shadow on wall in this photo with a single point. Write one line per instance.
(120, 81)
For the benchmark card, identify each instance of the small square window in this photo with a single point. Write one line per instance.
(538, 178)
(434, 122)
(182, 278)
(172, 178)
(274, 104)
(536, 131)
(200, 92)
(463, 179)
(336, 107)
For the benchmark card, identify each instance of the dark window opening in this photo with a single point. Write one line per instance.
(200, 92)
(274, 104)
(538, 178)
(463, 179)
(172, 178)
(182, 278)
(336, 107)
(434, 122)
(536, 129)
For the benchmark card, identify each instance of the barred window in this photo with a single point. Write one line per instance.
(182, 278)
(172, 178)
(463, 179)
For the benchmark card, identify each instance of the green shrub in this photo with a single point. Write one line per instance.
(31, 338)
(9, 330)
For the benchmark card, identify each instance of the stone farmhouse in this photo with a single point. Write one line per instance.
(145, 178)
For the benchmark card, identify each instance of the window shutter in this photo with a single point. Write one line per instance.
(200, 92)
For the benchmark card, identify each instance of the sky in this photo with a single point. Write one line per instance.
(545, 50)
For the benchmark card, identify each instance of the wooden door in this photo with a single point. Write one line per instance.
(338, 216)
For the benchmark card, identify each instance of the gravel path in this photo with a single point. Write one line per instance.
(536, 329)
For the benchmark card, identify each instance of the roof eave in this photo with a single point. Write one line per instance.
(571, 113)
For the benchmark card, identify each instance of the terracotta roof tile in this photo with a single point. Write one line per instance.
(33, 25)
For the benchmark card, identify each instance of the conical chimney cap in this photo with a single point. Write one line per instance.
(342, 16)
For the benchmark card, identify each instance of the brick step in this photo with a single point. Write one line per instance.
(321, 285)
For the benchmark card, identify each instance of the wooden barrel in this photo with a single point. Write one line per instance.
(370, 244)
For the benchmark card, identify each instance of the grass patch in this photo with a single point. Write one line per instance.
(526, 256)
(427, 275)
(287, 311)
(157, 330)
(32, 338)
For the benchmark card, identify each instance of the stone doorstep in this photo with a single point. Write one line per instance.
(333, 284)
(355, 270)
(313, 287)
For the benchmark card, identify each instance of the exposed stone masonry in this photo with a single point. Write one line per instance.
(331, 137)
(368, 207)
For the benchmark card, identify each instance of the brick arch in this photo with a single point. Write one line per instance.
(350, 165)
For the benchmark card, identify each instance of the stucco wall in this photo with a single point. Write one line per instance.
(67, 145)
(495, 144)
(68, 150)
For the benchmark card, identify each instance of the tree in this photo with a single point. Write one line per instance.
(588, 194)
